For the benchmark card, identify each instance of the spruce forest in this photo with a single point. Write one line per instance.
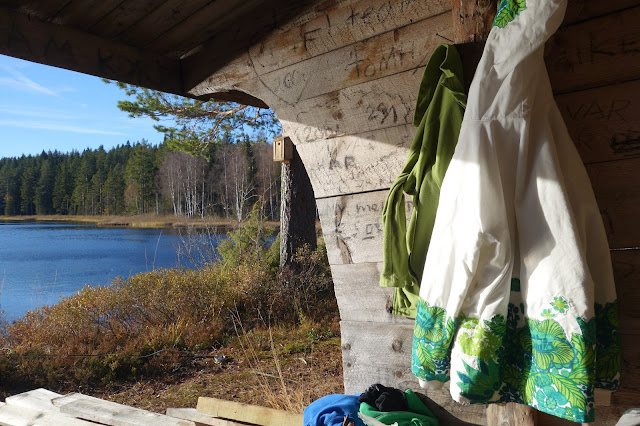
(142, 178)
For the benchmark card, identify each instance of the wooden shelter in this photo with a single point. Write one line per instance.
(342, 77)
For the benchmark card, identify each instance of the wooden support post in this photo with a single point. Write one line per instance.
(298, 205)
(472, 21)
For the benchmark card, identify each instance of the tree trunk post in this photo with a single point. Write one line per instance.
(298, 203)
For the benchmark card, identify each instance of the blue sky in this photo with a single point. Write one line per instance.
(47, 108)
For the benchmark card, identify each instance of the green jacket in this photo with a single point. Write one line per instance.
(417, 415)
(439, 111)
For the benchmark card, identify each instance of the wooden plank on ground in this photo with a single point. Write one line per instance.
(352, 226)
(37, 399)
(357, 163)
(596, 52)
(359, 295)
(252, 414)
(199, 418)
(616, 185)
(604, 123)
(112, 413)
(13, 415)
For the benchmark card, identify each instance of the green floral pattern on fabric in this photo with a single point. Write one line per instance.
(432, 337)
(607, 346)
(507, 11)
(523, 360)
(560, 304)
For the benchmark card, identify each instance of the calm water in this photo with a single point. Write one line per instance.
(43, 261)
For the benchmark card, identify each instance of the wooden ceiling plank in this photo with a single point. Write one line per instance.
(123, 17)
(83, 14)
(170, 14)
(239, 37)
(46, 43)
(200, 26)
(43, 10)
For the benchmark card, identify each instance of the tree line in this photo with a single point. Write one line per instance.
(142, 178)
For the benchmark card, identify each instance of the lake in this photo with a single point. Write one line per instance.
(43, 261)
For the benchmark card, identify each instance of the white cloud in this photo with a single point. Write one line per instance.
(57, 127)
(19, 81)
(35, 112)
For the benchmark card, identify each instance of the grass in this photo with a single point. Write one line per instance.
(152, 340)
(138, 221)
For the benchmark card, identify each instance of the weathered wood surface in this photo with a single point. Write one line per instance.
(380, 56)
(200, 419)
(617, 189)
(162, 19)
(37, 399)
(472, 19)
(604, 123)
(13, 415)
(112, 413)
(581, 10)
(352, 226)
(381, 353)
(55, 45)
(511, 414)
(596, 52)
(360, 298)
(251, 414)
(357, 163)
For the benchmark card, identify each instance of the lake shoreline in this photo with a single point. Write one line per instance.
(139, 221)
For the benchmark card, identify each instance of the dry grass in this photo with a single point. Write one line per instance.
(140, 221)
(310, 365)
(158, 332)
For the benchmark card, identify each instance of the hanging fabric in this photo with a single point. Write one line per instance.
(438, 115)
(517, 301)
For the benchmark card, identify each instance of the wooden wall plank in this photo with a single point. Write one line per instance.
(55, 45)
(340, 25)
(626, 270)
(617, 189)
(357, 163)
(596, 52)
(403, 49)
(604, 123)
(381, 353)
(581, 10)
(352, 226)
(374, 105)
(360, 298)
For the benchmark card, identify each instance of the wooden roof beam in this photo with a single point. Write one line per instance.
(28, 38)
